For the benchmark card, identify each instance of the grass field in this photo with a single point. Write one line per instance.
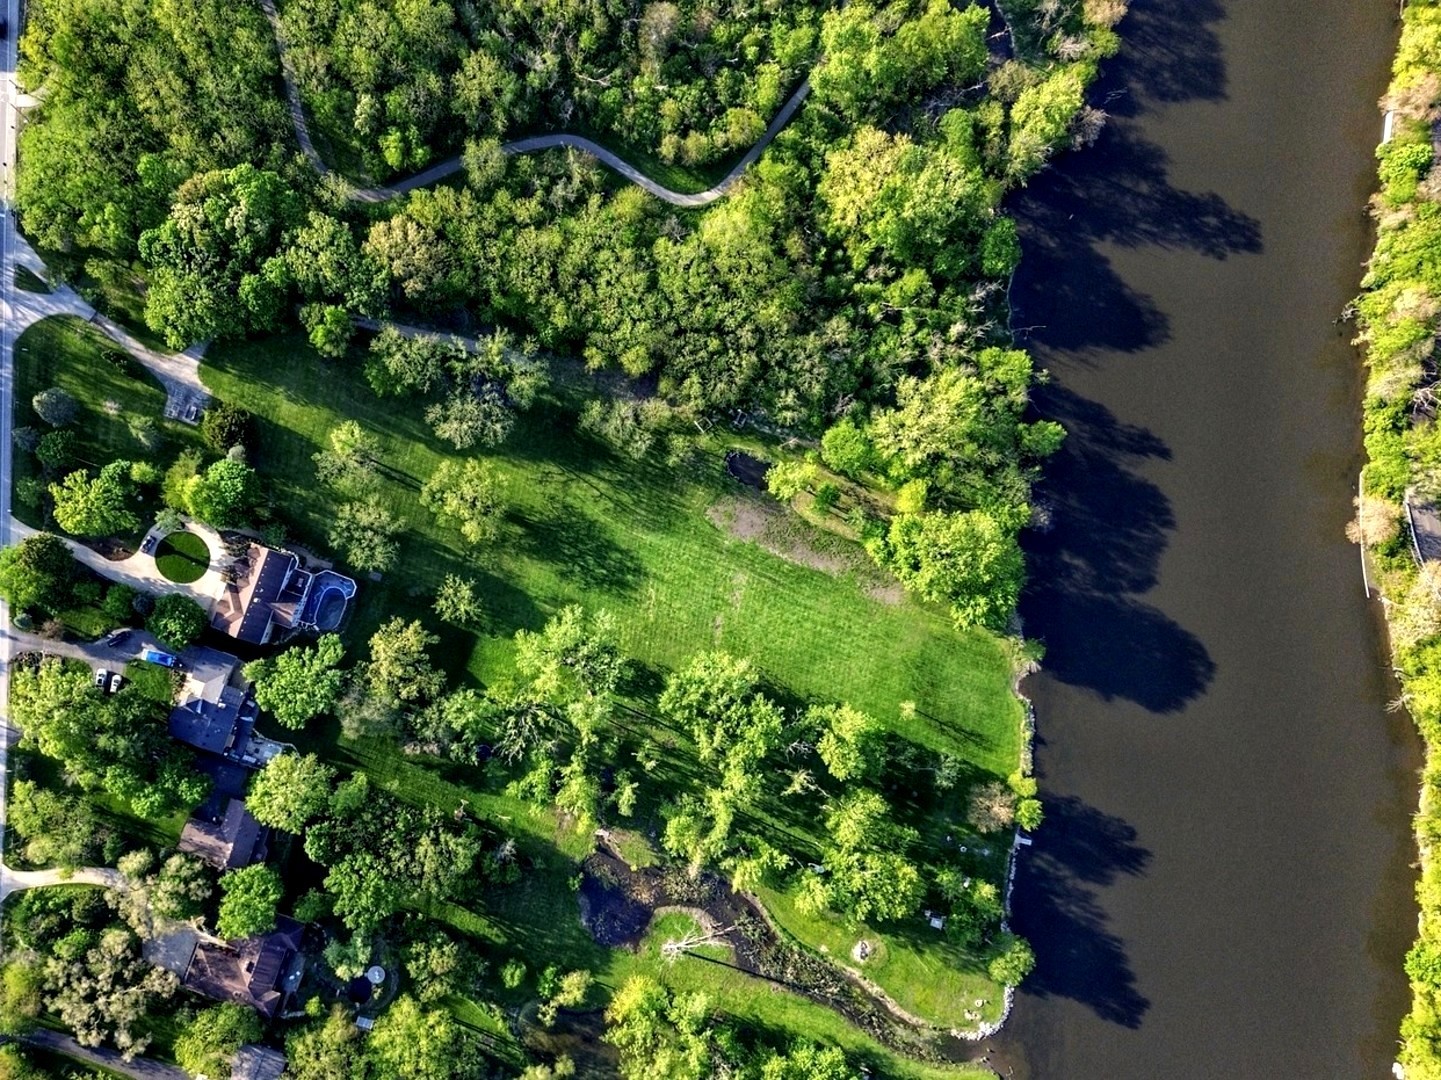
(110, 388)
(182, 557)
(585, 527)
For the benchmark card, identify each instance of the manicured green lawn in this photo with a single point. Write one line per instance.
(584, 527)
(182, 557)
(111, 390)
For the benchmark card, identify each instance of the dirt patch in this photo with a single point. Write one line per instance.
(767, 524)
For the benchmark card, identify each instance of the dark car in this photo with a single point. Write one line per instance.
(4, 28)
(117, 637)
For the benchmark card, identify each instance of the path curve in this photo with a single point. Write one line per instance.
(530, 145)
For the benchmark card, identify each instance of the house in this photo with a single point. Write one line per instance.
(216, 713)
(261, 972)
(271, 592)
(228, 839)
(253, 1062)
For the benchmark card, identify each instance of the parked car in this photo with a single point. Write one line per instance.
(117, 680)
(102, 678)
(164, 659)
(116, 637)
(4, 28)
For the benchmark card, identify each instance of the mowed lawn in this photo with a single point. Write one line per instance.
(110, 389)
(586, 527)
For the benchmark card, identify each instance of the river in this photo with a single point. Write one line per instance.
(1223, 886)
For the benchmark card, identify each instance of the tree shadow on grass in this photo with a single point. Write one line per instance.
(580, 547)
(1057, 910)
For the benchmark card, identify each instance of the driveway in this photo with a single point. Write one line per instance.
(140, 572)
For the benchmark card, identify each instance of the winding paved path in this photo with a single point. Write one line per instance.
(523, 146)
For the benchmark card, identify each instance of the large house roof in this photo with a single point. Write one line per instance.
(229, 841)
(246, 608)
(261, 971)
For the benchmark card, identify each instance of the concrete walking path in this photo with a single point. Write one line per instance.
(178, 373)
(530, 145)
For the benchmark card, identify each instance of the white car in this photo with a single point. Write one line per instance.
(117, 680)
(102, 678)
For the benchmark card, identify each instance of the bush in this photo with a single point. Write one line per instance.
(55, 407)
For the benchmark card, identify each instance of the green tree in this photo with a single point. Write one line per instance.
(248, 899)
(57, 829)
(400, 667)
(300, 683)
(290, 792)
(364, 532)
(413, 1043)
(210, 1038)
(176, 620)
(349, 459)
(847, 739)
(1011, 960)
(215, 266)
(466, 495)
(970, 561)
(98, 506)
(787, 479)
(327, 1050)
(224, 425)
(224, 495)
(455, 601)
(57, 450)
(38, 574)
(660, 1035)
(106, 993)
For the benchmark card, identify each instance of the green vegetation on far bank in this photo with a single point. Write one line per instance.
(1399, 316)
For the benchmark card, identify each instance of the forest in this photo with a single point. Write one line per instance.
(686, 538)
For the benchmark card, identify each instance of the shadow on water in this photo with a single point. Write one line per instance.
(1088, 573)
(1072, 308)
(1111, 523)
(1058, 912)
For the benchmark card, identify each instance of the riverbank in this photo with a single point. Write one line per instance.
(1399, 316)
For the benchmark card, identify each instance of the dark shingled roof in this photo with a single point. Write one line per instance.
(268, 577)
(261, 972)
(220, 727)
(228, 841)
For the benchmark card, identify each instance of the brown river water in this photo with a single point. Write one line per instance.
(1223, 887)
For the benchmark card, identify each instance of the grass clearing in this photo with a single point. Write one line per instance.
(29, 281)
(585, 527)
(182, 557)
(111, 390)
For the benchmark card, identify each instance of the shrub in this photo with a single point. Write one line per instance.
(55, 407)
